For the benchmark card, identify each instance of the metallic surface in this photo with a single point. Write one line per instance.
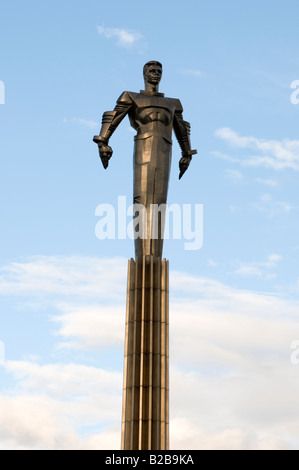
(154, 117)
(145, 421)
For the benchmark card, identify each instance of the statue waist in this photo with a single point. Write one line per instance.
(154, 129)
(158, 135)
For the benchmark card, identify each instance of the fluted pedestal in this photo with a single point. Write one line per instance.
(145, 420)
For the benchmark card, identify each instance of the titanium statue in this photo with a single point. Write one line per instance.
(154, 117)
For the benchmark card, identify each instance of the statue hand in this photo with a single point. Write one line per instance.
(184, 164)
(105, 154)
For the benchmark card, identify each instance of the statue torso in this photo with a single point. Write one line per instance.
(152, 114)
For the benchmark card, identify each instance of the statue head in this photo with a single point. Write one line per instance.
(152, 72)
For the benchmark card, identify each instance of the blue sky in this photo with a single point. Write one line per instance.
(234, 303)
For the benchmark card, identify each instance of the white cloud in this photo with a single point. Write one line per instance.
(212, 263)
(82, 122)
(259, 269)
(274, 258)
(78, 276)
(30, 422)
(271, 208)
(234, 412)
(234, 175)
(249, 270)
(267, 182)
(66, 380)
(52, 404)
(228, 328)
(266, 197)
(191, 72)
(274, 154)
(233, 208)
(124, 38)
(189, 435)
(230, 361)
(225, 157)
(90, 326)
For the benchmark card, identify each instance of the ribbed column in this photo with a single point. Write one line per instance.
(145, 421)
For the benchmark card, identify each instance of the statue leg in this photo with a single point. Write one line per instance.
(152, 158)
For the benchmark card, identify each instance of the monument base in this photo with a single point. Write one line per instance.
(145, 419)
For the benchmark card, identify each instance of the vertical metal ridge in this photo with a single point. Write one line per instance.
(167, 355)
(142, 359)
(128, 399)
(133, 425)
(164, 357)
(150, 352)
(163, 364)
(145, 414)
(125, 378)
(156, 355)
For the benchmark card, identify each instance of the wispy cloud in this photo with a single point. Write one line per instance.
(212, 263)
(267, 182)
(229, 349)
(274, 154)
(271, 208)
(264, 269)
(82, 122)
(124, 38)
(226, 157)
(89, 327)
(83, 277)
(191, 72)
(234, 176)
(54, 401)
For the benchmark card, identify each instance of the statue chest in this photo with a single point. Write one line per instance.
(150, 109)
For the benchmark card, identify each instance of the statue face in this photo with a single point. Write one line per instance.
(153, 74)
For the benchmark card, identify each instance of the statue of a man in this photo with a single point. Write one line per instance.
(154, 117)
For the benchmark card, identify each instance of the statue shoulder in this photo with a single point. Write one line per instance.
(126, 98)
(176, 104)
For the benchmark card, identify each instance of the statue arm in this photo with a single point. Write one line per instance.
(182, 133)
(110, 121)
